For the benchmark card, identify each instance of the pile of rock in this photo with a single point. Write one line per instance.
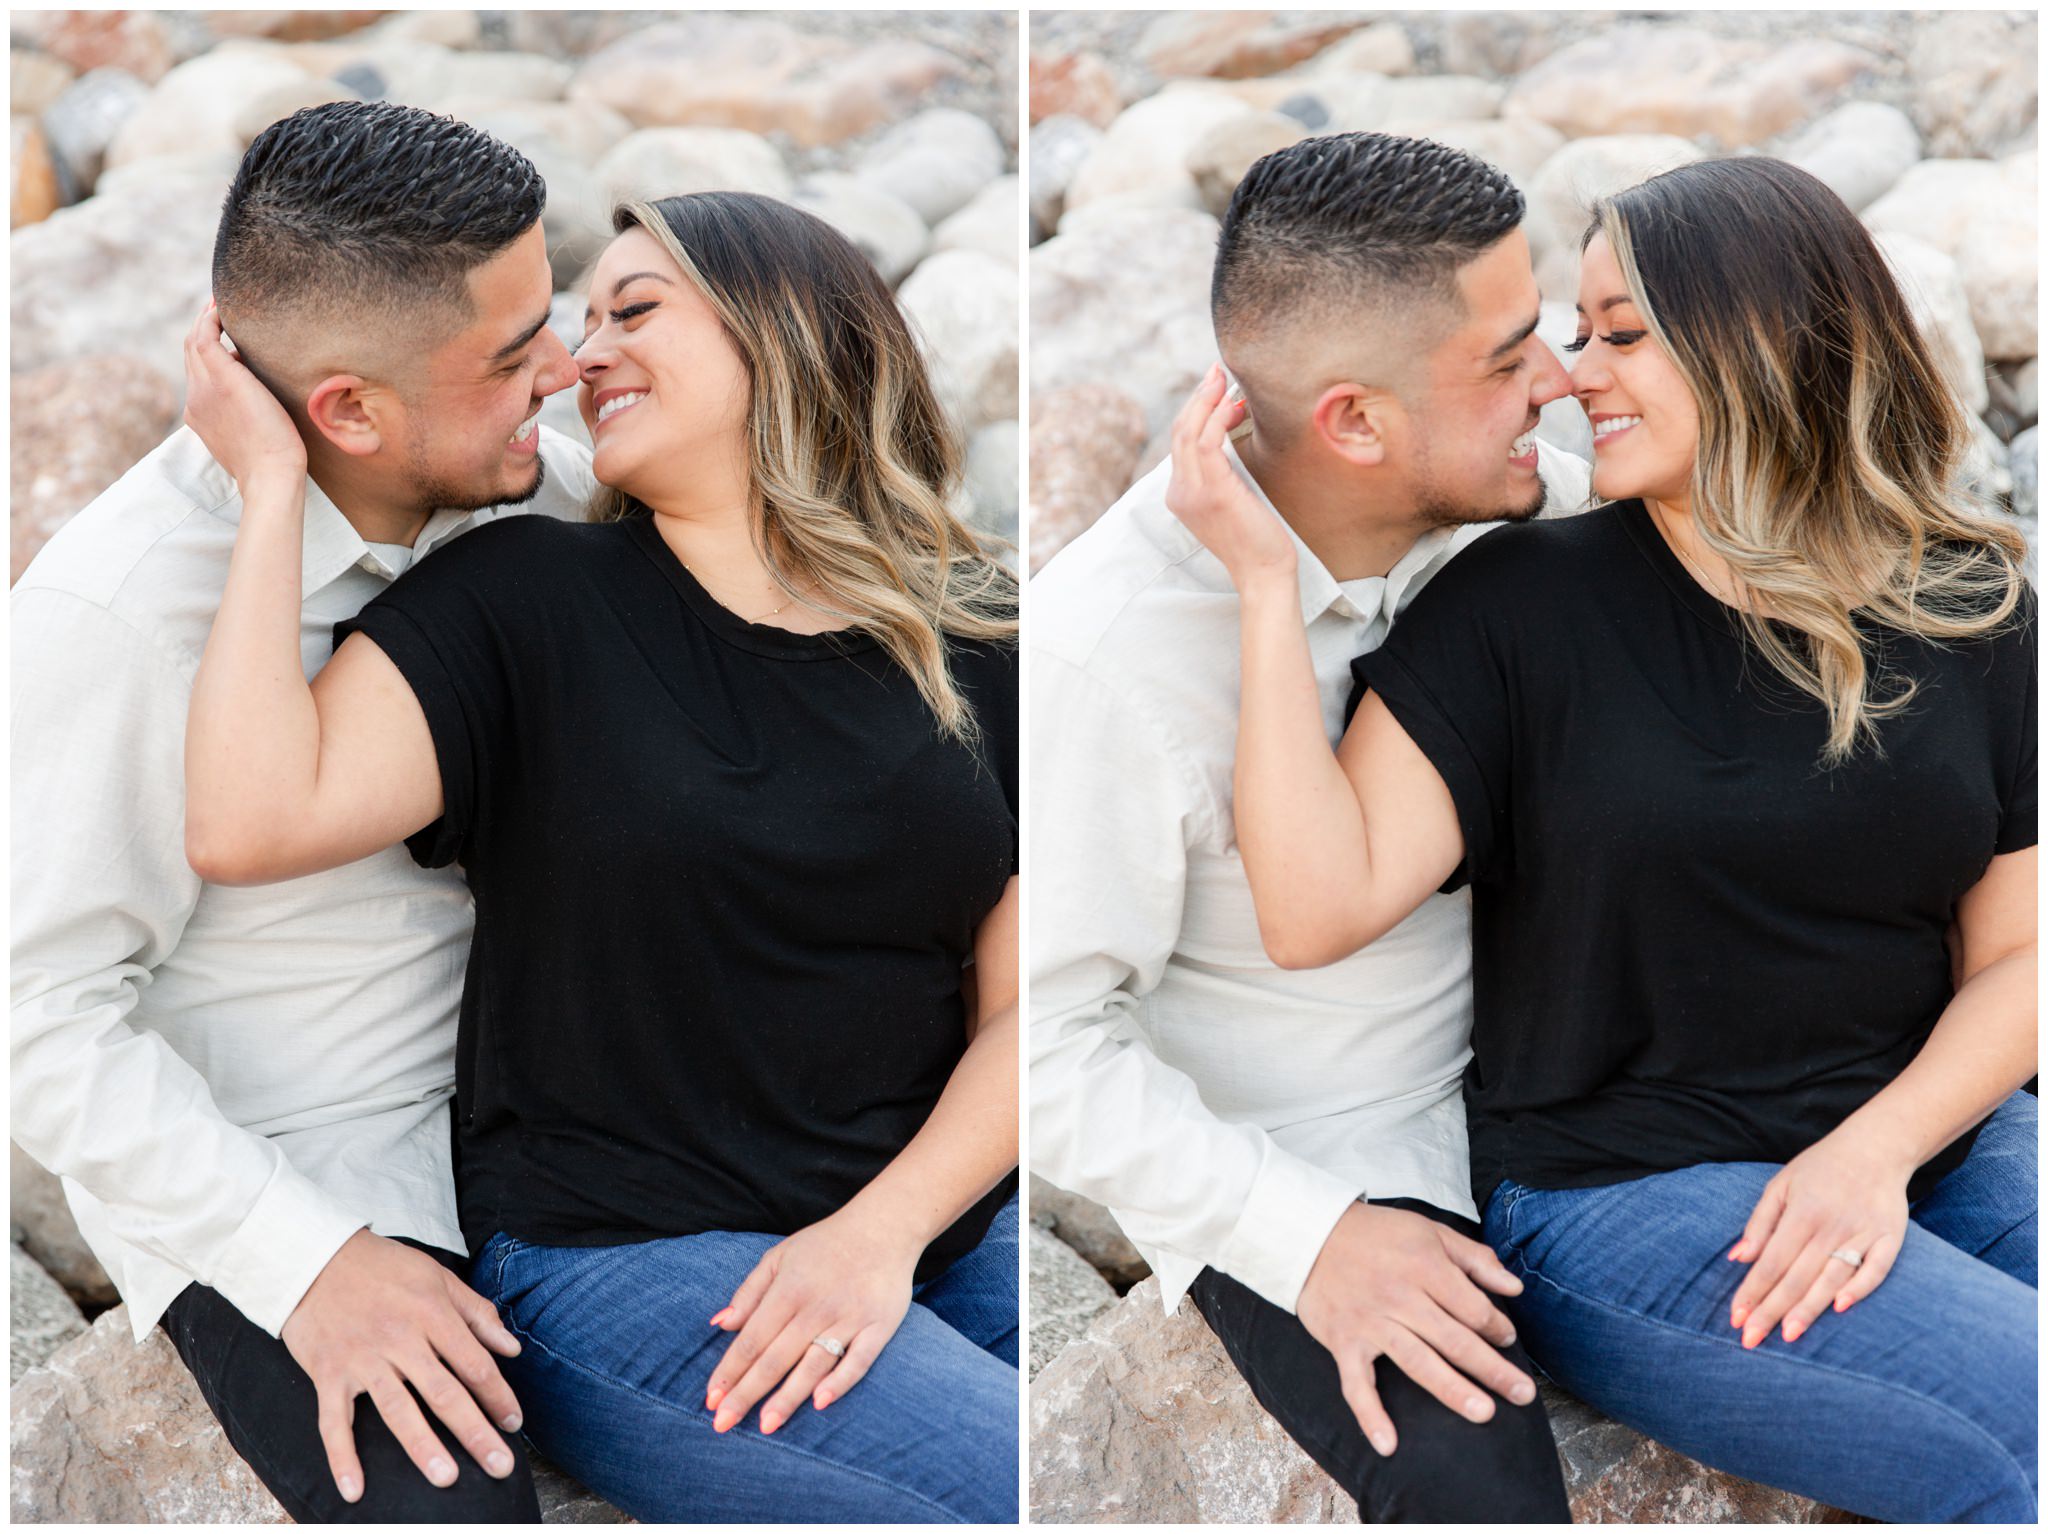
(1142, 126)
(1138, 1416)
(128, 126)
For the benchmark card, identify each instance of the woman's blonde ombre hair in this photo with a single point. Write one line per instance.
(851, 455)
(1830, 448)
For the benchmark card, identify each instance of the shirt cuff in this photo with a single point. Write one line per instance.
(1292, 1210)
(270, 1262)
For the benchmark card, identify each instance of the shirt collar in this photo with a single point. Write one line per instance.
(1318, 588)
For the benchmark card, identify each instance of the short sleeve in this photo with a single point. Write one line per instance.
(450, 626)
(1442, 675)
(2017, 821)
(991, 686)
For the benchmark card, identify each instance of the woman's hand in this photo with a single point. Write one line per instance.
(240, 421)
(1210, 498)
(841, 1279)
(1846, 1193)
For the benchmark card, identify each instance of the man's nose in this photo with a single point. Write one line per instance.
(559, 370)
(1550, 381)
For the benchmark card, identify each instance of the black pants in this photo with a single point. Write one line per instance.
(268, 1407)
(1445, 1469)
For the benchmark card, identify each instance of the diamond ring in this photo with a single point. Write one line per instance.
(831, 1345)
(1843, 1254)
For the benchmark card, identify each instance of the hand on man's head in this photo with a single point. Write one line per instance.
(1397, 1285)
(382, 1316)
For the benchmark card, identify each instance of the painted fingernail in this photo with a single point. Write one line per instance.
(1384, 1442)
(713, 1396)
(1752, 1337)
(441, 1471)
(719, 1319)
(511, 1422)
(720, 1423)
(822, 1399)
(351, 1488)
(1842, 1303)
(1739, 1315)
(770, 1421)
(500, 1463)
(1735, 1252)
(1793, 1331)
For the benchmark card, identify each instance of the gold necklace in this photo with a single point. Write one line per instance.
(769, 614)
(1677, 547)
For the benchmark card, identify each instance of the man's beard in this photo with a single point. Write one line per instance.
(1434, 509)
(431, 492)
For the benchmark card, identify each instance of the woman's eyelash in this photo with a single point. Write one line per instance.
(630, 312)
(1618, 338)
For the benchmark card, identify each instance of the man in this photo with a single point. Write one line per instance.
(247, 1090)
(1373, 297)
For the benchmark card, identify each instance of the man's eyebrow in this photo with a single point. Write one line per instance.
(589, 313)
(1515, 340)
(1612, 301)
(518, 342)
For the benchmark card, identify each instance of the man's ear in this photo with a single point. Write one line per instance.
(1354, 422)
(339, 408)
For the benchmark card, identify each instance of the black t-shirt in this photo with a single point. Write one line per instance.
(1691, 941)
(726, 877)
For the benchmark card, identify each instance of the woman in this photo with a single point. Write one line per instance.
(730, 769)
(1725, 764)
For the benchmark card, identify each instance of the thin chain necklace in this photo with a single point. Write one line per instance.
(1706, 580)
(769, 614)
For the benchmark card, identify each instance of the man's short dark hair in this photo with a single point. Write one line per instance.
(1361, 217)
(368, 204)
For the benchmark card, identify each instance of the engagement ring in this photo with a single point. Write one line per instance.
(836, 1349)
(1843, 1254)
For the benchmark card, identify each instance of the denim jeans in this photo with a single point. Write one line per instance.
(1917, 1405)
(617, 1354)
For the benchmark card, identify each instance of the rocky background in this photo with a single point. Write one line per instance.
(898, 128)
(1143, 123)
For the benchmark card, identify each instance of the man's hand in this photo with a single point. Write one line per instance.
(382, 1315)
(1398, 1285)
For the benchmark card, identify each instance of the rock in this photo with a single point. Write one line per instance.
(2023, 385)
(1439, 98)
(1986, 471)
(1983, 215)
(564, 1500)
(35, 80)
(1145, 1420)
(82, 122)
(1681, 80)
(988, 224)
(1859, 150)
(136, 41)
(750, 72)
(1974, 87)
(1074, 85)
(1059, 147)
(991, 480)
(149, 247)
(887, 230)
(1496, 43)
(287, 26)
(1227, 150)
(197, 105)
(562, 128)
(32, 193)
(41, 1220)
(1085, 441)
(1933, 290)
(446, 29)
(564, 143)
(1066, 1294)
(935, 161)
(78, 427)
(1145, 150)
(1562, 195)
(280, 101)
(964, 307)
(667, 162)
(1089, 1229)
(1380, 49)
(1124, 300)
(504, 77)
(1518, 145)
(2023, 461)
(1235, 44)
(40, 1315)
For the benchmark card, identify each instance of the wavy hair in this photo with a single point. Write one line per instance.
(851, 457)
(1829, 472)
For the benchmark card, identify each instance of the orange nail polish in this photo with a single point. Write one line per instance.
(1741, 1315)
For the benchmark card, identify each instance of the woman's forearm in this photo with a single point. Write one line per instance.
(252, 744)
(964, 1149)
(1983, 1048)
(1300, 827)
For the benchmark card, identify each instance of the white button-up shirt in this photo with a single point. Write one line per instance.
(1227, 1111)
(231, 1082)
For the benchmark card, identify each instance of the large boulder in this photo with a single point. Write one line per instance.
(40, 1219)
(1066, 1294)
(990, 480)
(1145, 1420)
(1571, 181)
(1974, 86)
(35, 81)
(199, 106)
(82, 122)
(1090, 1230)
(1060, 146)
(1123, 299)
(40, 1316)
(137, 41)
(2023, 461)
(1236, 44)
(1075, 84)
(1144, 155)
(888, 230)
(1933, 290)
(78, 426)
(32, 190)
(763, 75)
(564, 143)
(1223, 154)
(1984, 216)
(990, 223)
(963, 305)
(667, 162)
(1686, 81)
(1085, 442)
(936, 161)
(1859, 150)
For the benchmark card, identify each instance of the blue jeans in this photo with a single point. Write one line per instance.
(1918, 1405)
(617, 1355)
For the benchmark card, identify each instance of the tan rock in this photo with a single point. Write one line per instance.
(196, 106)
(35, 80)
(280, 101)
(1518, 145)
(1933, 290)
(1563, 192)
(41, 1220)
(32, 192)
(1235, 44)
(935, 161)
(1497, 43)
(1684, 81)
(1860, 150)
(1076, 84)
(964, 307)
(1983, 215)
(77, 427)
(1145, 151)
(1975, 90)
(761, 75)
(1380, 49)
(1085, 441)
(1222, 155)
(667, 162)
(887, 230)
(288, 26)
(136, 41)
(991, 223)
(1088, 1228)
